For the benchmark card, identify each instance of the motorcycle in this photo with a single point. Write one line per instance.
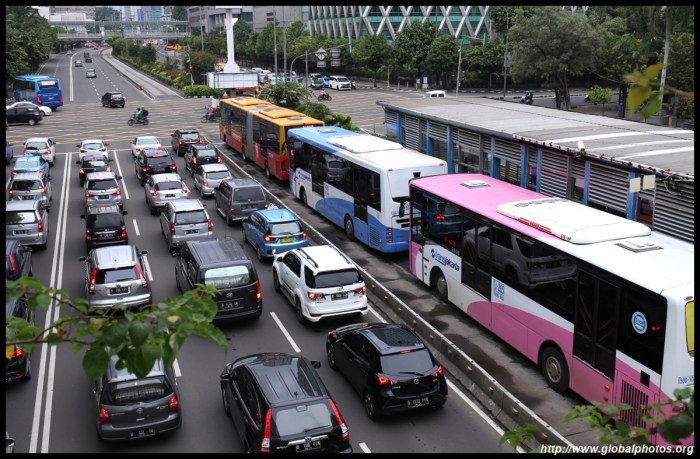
(133, 120)
(526, 99)
(324, 96)
(211, 117)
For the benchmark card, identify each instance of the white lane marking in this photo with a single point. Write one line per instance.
(364, 448)
(136, 227)
(176, 368)
(381, 319)
(148, 268)
(285, 332)
(119, 168)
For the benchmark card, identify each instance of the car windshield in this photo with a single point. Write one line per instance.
(207, 153)
(190, 216)
(342, 79)
(190, 136)
(26, 185)
(326, 279)
(109, 276)
(170, 185)
(285, 228)
(228, 277)
(36, 146)
(99, 221)
(136, 391)
(248, 193)
(104, 184)
(16, 218)
(218, 175)
(301, 418)
(418, 361)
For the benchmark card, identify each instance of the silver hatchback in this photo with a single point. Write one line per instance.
(30, 186)
(208, 176)
(27, 222)
(116, 274)
(102, 188)
(163, 188)
(185, 220)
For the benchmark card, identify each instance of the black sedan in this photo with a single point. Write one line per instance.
(150, 162)
(92, 163)
(389, 366)
(23, 114)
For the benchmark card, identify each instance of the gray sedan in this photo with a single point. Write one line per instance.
(162, 188)
(208, 176)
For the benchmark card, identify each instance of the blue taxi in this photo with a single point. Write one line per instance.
(29, 163)
(272, 231)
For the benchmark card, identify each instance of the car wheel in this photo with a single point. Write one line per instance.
(228, 219)
(130, 122)
(370, 404)
(302, 195)
(177, 282)
(276, 282)
(299, 312)
(28, 375)
(227, 409)
(440, 285)
(331, 356)
(349, 228)
(32, 122)
(261, 256)
(555, 370)
(51, 164)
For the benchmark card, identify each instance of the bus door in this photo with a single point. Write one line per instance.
(360, 193)
(248, 141)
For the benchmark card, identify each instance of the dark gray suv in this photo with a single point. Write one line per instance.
(128, 408)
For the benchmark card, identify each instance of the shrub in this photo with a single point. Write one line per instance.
(686, 108)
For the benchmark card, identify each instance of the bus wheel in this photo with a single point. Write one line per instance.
(440, 285)
(555, 369)
(302, 195)
(243, 155)
(349, 228)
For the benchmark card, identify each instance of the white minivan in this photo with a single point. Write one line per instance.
(437, 93)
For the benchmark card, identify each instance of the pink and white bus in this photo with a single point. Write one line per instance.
(603, 305)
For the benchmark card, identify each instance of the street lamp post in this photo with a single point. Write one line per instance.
(306, 57)
(459, 68)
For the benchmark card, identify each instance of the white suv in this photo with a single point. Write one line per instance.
(41, 146)
(340, 82)
(320, 282)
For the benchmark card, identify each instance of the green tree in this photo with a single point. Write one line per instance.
(202, 63)
(138, 338)
(443, 57)
(411, 48)
(179, 13)
(288, 94)
(482, 62)
(107, 13)
(147, 54)
(372, 52)
(265, 45)
(552, 47)
(681, 72)
(18, 63)
(600, 95)
(241, 34)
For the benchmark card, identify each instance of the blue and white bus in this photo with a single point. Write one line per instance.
(38, 89)
(357, 181)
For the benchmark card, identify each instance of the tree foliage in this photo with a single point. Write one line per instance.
(288, 94)
(24, 26)
(107, 13)
(600, 95)
(411, 48)
(443, 56)
(138, 338)
(481, 62)
(373, 53)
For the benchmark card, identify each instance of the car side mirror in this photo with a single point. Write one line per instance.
(82, 216)
(316, 363)
(27, 248)
(124, 212)
(106, 145)
(144, 252)
(77, 162)
(83, 258)
(119, 177)
(78, 145)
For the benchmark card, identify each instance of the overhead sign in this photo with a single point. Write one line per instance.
(320, 54)
(177, 47)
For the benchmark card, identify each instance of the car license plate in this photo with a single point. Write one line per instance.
(191, 231)
(105, 196)
(308, 446)
(27, 197)
(142, 433)
(118, 290)
(418, 402)
(229, 305)
(21, 231)
(337, 296)
(252, 206)
(287, 239)
(169, 195)
(103, 235)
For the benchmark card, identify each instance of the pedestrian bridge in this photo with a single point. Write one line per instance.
(135, 30)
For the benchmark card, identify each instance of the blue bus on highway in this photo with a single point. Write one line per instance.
(38, 89)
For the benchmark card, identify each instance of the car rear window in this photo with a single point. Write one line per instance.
(116, 96)
(190, 216)
(27, 161)
(173, 185)
(300, 418)
(35, 146)
(229, 276)
(218, 175)
(15, 218)
(147, 141)
(92, 146)
(206, 154)
(277, 229)
(159, 160)
(26, 185)
(98, 221)
(136, 391)
(94, 163)
(409, 362)
(190, 136)
(326, 279)
(248, 193)
(108, 276)
(105, 184)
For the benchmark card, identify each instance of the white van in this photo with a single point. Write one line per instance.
(435, 94)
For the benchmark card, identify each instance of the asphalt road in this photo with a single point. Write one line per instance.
(55, 411)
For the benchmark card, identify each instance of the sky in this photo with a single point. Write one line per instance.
(43, 11)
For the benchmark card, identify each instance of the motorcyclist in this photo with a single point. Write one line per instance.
(323, 95)
(141, 114)
(212, 113)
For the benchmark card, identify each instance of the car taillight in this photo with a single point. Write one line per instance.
(172, 229)
(117, 193)
(231, 209)
(103, 149)
(109, 169)
(144, 283)
(316, 296)
(138, 150)
(184, 190)
(19, 352)
(61, 98)
(258, 292)
(210, 227)
(123, 231)
(194, 160)
(343, 427)
(11, 192)
(361, 290)
(145, 169)
(265, 442)
(268, 238)
(13, 264)
(172, 167)
(154, 193)
(266, 205)
(382, 381)
(88, 235)
(82, 171)
(103, 416)
(43, 190)
(41, 226)
(218, 159)
(38, 100)
(205, 183)
(181, 142)
(302, 235)
(439, 371)
(93, 277)
(89, 195)
(173, 404)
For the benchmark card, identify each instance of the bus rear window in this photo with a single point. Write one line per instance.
(43, 84)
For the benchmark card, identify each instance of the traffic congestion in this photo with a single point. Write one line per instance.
(81, 219)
